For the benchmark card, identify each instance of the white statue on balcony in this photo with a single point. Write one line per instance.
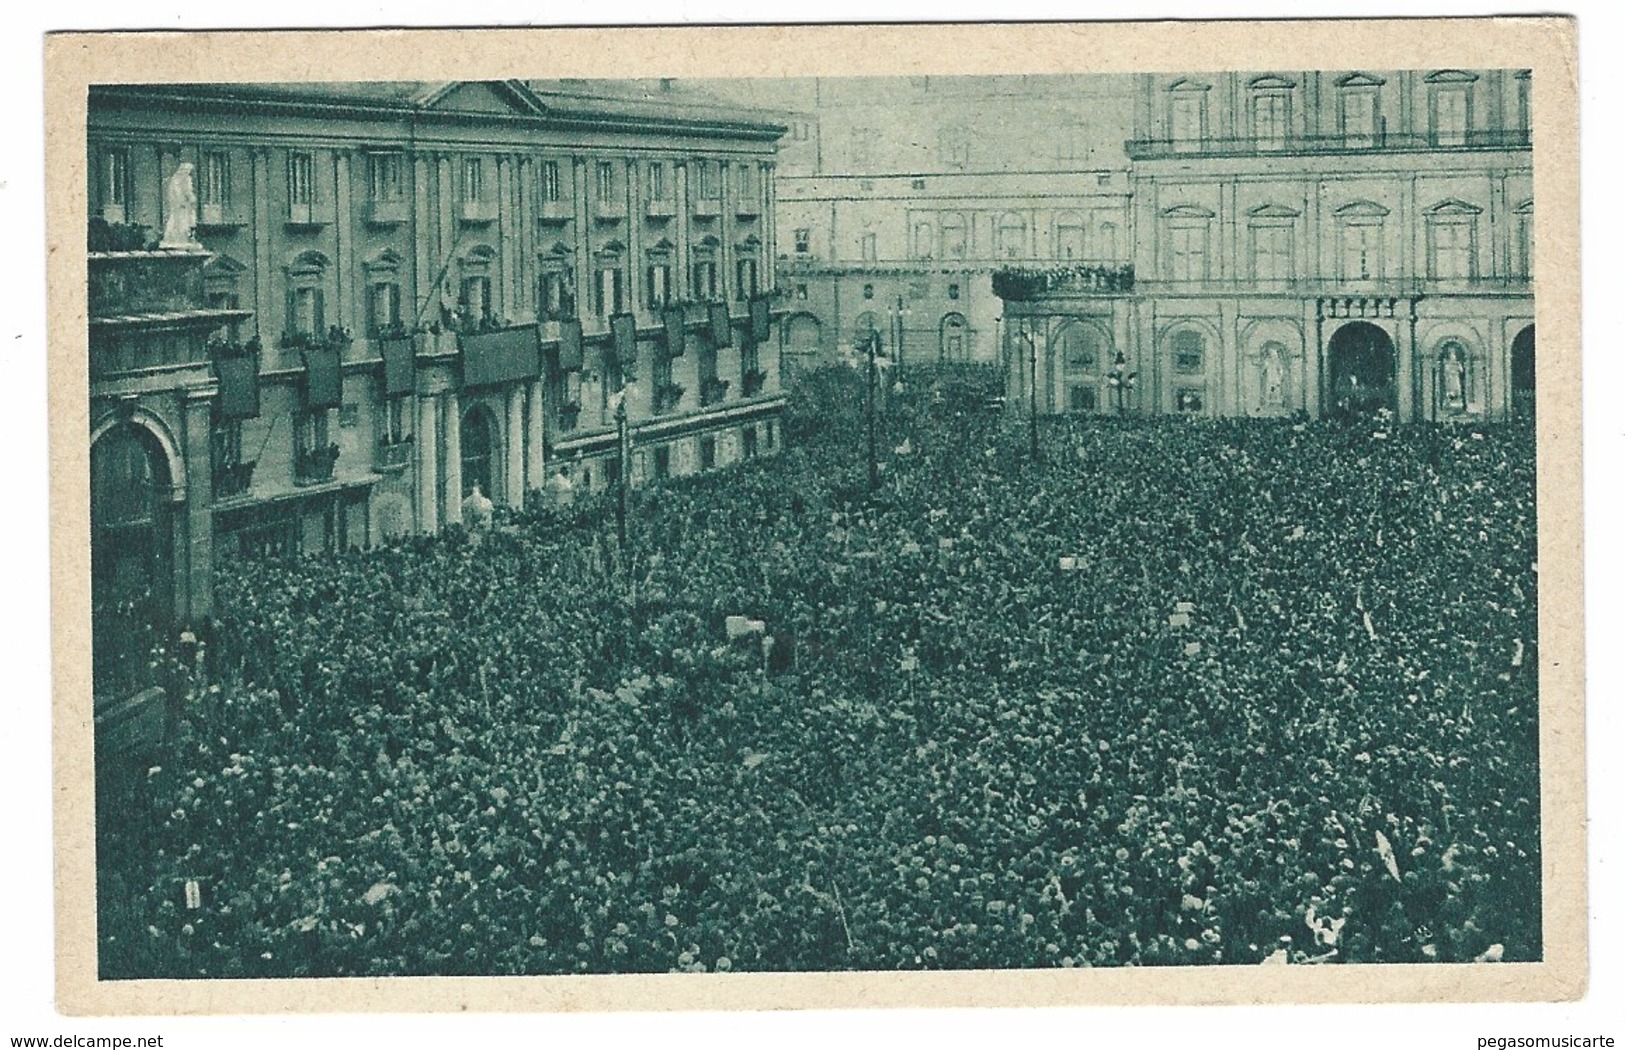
(180, 210)
(477, 509)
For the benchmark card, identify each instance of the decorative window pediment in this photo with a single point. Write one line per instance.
(1526, 208)
(1360, 80)
(387, 260)
(1451, 76)
(558, 250)
(1362, 210)
(1187, 84)
(1187, 211)
(308, 262)
(613, 249)
(223, 266)
(1271, 82)
(1273, 211)
(1452, 208)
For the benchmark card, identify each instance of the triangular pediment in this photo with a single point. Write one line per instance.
(1273, 211)
(1366, 209)
(1455, 207)
(1360, 80)
(1451, 76)
(223, 266)
(1271, 82)
(504, 97)
(1187, 211)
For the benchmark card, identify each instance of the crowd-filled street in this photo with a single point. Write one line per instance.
(1178, 692)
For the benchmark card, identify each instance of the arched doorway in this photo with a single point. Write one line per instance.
(1360, 367)
(1523, 373)
(1083, 350)
(478, 437)
(952, 338)
(131, 545)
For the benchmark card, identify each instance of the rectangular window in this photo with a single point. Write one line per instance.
(869, 247)
(662, 462)
(800, 131)
(657, 181)
(953, 291)
(706, 180)
(215, 186)
(115, 178)
(1450, 116)
(1270, 120)
(474, 300)
(606, 182)
(1188, 399)
(473, 179)
(745, 279)
(1272, 253)
(607, 291)
(555, 295)
(1069, 241)
(1359, 110)
(1526, 245)
(704, 276)
(863, 146)
(306, 315)
(747, 182)
(1081, 398)
(301, 178)
(803, 241)
(1362, 251)
(313, 430)
(658, 285)
(551, 187)
(748, 442)
(1451, 257)
(386, 180)
(395, 419)
(384, 313)
(708, 453)
(801, 293)
(1189, 259)
(1186, 120)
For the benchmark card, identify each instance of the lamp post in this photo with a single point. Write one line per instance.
(900, 314)
(624, 451)
(869, 411)
(1032, 388)
(1122, 381)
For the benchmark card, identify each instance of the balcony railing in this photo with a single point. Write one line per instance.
(232, 479)
(753, 382)
(1022, 284)
(1339, 286)
(393, 456)
(667, 396)
(312, 466)
(713, 390)
(1256, 146)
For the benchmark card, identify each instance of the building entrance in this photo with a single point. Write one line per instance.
(1360, 367)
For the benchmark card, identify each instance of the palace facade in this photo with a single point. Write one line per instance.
(1302, 241)
(365, 300)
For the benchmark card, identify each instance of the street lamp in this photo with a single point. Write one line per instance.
(869, 410)
(1032, 388)
(1121, 381)
(900, 314)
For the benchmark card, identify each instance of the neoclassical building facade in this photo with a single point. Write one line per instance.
(379, 296)
(1303, 241)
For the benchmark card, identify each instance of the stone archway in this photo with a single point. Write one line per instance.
(1523, 373)
(953, 339)
(132, 544)
(1360, 370)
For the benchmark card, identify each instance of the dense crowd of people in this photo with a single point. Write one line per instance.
(1178, 692)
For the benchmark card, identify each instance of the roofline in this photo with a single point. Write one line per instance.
(541, 115)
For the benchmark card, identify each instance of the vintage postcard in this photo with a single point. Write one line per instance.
(773, 517)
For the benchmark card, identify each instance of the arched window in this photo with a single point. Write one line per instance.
(953, 334)
(1070, 240)
(1188, 349)
(924, 235)
(1011, 236)
(384, 318)
(657, 275)
(555, 283)
(1083, 350)
(746, 280)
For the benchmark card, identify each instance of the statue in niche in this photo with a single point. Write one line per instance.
(1453, 377)
(1272, 376)
(180, 210)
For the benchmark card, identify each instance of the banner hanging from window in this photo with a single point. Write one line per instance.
(721, 325)
(761, 318)
(324, 386)
(570, 344)
(675, 340)
(508, 355)
(400, 366)
(623, 332)
(239, 386)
